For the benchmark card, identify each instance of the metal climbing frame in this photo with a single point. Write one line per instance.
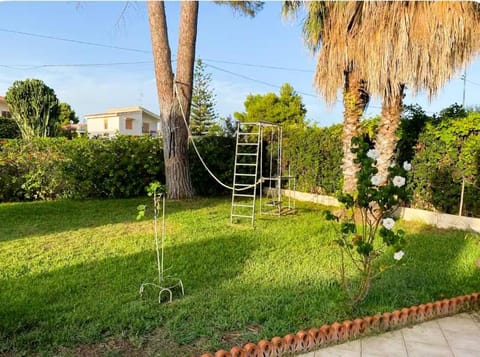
(245, 171)
(248, 172)
(273, 184)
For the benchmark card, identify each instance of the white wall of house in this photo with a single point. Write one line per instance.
(96, 125)
(124, 121)
(153, 123)
(136, 123)
(4, 108)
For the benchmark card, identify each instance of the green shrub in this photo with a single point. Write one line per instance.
(315, 156)
(55, 167)
(30, 170)
(121, 167)
(218, 152)
(448, 151)
(8, 129)
(51, 168)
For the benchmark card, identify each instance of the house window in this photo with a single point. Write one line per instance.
(129, 124)
(145, 128)
(105, 124)
(6, 114)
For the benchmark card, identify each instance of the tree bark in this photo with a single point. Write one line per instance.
(173, 126)
(355, 99)
(387, 138)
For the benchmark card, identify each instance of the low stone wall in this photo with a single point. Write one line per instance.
(312, 197)
(440, 220)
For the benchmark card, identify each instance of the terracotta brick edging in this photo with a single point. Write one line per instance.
(316, 338)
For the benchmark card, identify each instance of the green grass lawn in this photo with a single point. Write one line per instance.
(70, 273)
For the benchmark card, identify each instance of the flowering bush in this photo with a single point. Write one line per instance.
(367, 216)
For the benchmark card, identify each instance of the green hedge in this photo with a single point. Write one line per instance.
(443, 150)
(315, 157)
(8, 129)
(218, 152)
(448, 151)
(53, 168)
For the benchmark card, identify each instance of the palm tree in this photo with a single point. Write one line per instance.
(175, 92)
(317, 29)
(392, 45)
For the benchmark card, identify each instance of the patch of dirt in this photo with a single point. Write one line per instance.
(112, 347)
(156, 344)
(237, 338)
(160, 345)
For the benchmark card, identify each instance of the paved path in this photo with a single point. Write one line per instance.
(457, 336)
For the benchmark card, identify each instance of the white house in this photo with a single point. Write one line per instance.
(124, 121)
(4, 110)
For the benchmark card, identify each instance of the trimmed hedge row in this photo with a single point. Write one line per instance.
(51, 168)
(444, 151)
(315, 156)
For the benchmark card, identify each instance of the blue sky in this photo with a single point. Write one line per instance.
(223, 36)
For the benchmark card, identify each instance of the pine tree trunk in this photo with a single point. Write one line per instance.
(174, 130)
(386, 138)
(355, 98)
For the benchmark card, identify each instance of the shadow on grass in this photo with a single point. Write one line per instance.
(438, 264)
(89, 302)
(20, 220)
(223, 306)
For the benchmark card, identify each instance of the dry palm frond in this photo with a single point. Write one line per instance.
(313, 23)
(420, 44)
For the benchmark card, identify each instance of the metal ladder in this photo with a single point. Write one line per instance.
(245, 171)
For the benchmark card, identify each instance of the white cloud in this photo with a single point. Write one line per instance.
(95, 90)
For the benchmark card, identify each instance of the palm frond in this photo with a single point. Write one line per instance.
(420, 44)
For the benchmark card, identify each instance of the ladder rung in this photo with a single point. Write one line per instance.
(243, 164)
(248, 175)
(243, 195)
(241, 215)
(247, 144)
(241, 205)
(246, 154)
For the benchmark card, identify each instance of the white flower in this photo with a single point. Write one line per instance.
(376, 180)
(407, 166)
(388, 223)
(372, 154)
(398, 181)
(393, 164)
(398, 255)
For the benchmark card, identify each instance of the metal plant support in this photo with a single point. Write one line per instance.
(163, 280)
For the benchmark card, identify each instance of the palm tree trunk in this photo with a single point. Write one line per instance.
(174, 129)
(387, 138)
(355, 99)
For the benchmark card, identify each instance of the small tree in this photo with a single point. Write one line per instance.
(34, 107)
(285, 108)
(368, 214)
(203, 115)
(66, 114)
